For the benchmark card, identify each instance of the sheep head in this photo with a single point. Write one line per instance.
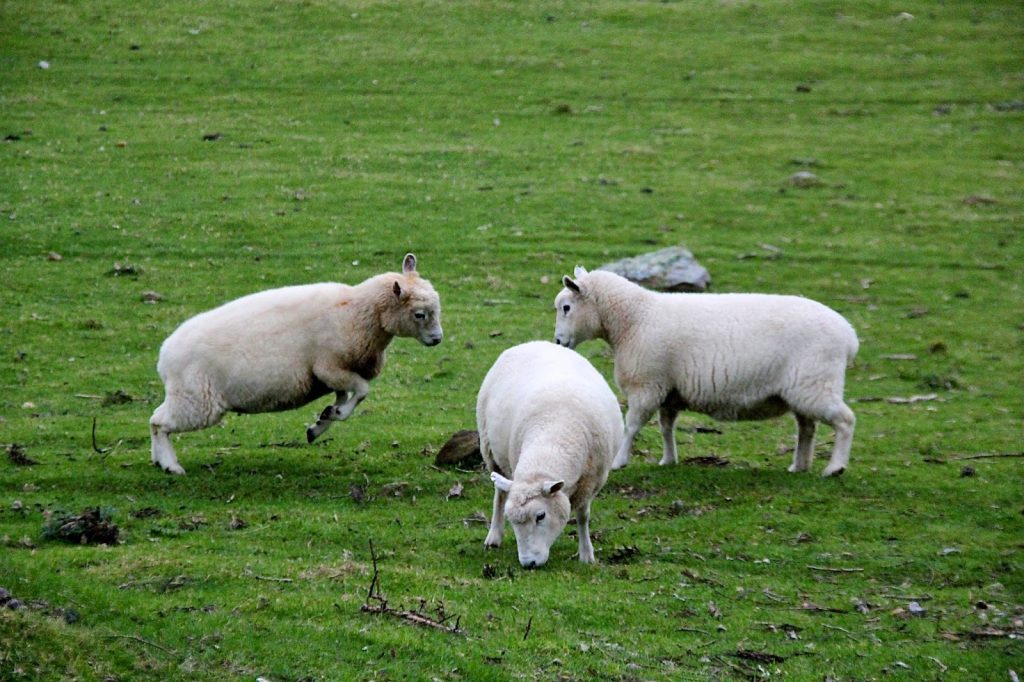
(415, 309)
(576, 317)
(538, 513)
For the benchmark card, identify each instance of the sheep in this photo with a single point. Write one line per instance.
(283, 348)
(549, 426)
(730, 356)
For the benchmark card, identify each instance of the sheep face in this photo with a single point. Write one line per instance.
(417, 310)
(538, 513)
(576, 318)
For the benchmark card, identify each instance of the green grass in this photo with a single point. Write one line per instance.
(504, 143)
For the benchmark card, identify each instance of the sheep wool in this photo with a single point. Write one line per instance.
(730, 356)
(549, 427)
(282, 348)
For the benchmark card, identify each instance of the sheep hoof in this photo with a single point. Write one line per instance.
(174, 469)
(829, 471)
(310, 435)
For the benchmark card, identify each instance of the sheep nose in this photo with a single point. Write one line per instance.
(434, 340)
(532, 563)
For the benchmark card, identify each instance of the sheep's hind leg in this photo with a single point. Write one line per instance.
(843, 422)
(583, 530)
(351, 389)
(804, 452)
(497, 529)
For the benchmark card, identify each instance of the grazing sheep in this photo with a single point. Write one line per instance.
(280, 349)
(730, 356)
(549, 427)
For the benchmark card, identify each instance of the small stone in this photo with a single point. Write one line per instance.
(54, 256)
(151, 297)
(805, 180)
(44, 65)
(14, 604)
(5, 596)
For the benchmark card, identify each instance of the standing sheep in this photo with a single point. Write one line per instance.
(280, 349)
(549, 427)
(730, 356)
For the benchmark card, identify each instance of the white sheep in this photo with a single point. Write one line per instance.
(282, 348)
(730, 356)
(549, 427)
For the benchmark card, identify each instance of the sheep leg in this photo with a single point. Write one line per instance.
(175, 415)
(497, 530)
(583, 531)
(668, 434)
(350, 388)
(639, 411)
(843, 423)
(804, 452)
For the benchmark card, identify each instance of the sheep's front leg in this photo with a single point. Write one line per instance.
(497, 530)
(641, 407)
(351, 390)
(583, 530)
(668, 434)
(804, 451)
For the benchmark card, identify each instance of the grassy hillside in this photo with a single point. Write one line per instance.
(188, 153)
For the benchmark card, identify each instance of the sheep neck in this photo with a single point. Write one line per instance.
(621, 304)
(367, 313)
(547, 458)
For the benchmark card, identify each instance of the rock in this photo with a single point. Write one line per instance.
(805, 179)
(671, 269)
(5, 596)
(462, 448)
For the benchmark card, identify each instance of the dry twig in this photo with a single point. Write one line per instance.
(373, 594)
(136, 638)
(987, 455)
(98, 449)
(830, 569)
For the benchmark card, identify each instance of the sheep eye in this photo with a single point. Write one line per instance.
(565, 308)
(420, 315)
(540, 516)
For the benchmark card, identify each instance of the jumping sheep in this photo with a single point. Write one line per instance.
(282, 348)
(549, 427)
(730, 356)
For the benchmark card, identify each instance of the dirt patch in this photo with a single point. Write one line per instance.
(16, 455)
(92, 527)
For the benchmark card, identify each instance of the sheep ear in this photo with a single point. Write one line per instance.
(570, 284)
(409, 264)
(500, 482)
(552, 487)
(580, 271)
(397, 289)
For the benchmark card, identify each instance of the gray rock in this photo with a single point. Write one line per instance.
(463, 448)
(805, 179)
(671, 269)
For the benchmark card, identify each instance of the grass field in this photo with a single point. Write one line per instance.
(193, 152)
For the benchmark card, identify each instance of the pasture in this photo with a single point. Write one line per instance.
(162, 158)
